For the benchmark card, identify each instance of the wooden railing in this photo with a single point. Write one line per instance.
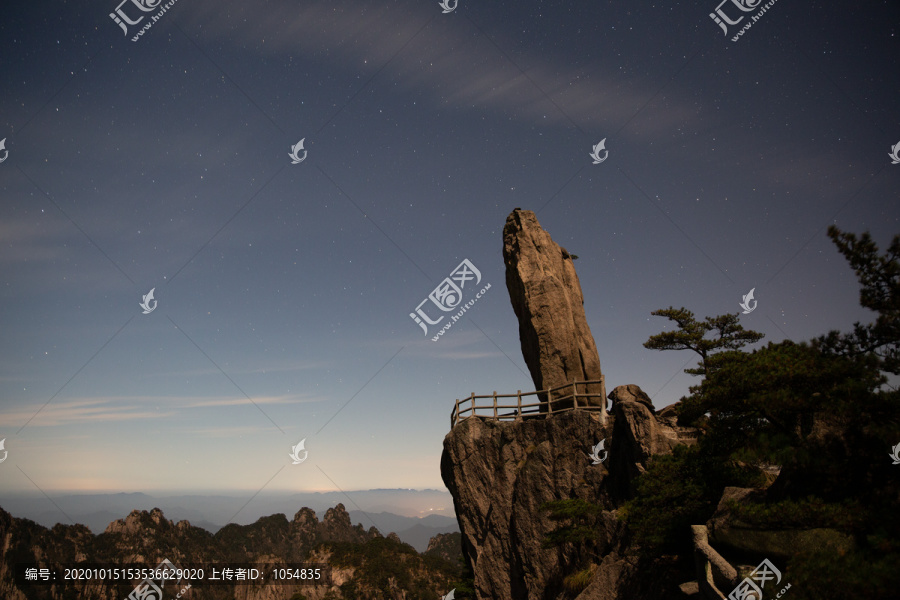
(547, 404)
(715, 575)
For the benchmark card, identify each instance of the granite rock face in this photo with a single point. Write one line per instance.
(638, 435)
(546, 296)
(500, 473)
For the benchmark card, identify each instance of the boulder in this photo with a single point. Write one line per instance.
(609, 578)
(630, 393)
(668, 415)
(546, 296)
(637, 435)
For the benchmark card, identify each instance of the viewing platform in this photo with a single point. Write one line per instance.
(565, 398)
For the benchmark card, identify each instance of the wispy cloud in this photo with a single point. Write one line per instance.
(82, 411)
(129, 408)
(28, 240)
(286, 400)
(449, 59)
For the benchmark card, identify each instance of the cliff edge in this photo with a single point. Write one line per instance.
(501, 475)
(537, 497)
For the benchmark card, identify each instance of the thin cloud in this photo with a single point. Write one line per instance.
(82, 411)
(460, 355)
(284, 400)
(27, 240)
(354, 36)
(107, 409)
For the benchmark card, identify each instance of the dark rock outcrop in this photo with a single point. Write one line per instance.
(447, 546)
(546, 296)
(609, 579)
(637, 435)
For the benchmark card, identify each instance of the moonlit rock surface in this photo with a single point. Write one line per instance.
(546, 295)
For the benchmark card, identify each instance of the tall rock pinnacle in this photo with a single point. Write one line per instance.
(545, 293)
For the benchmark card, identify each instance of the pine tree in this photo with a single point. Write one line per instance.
(879, 279)
(729, 337)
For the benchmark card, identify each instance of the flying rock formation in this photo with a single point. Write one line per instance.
(546, 296)
(504, 475)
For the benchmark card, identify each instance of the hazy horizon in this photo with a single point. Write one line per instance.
(211, 492)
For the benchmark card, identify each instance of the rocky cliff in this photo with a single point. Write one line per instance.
(501, 474)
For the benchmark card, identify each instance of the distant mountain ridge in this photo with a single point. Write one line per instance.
(413, 531)
(362, 562)
(405, 512)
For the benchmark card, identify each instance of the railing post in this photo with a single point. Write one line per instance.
(549, 401)
(575, 394)
(518, 404)
(495, 405)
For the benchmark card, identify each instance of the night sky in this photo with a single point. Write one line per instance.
(284, 291)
